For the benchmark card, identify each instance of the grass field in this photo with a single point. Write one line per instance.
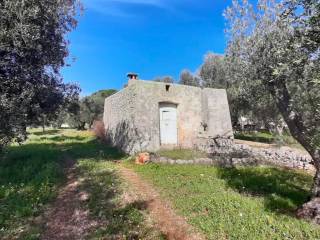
(31, 174)
(243, 203)
(256, 137)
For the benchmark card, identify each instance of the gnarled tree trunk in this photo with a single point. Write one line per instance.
(316, 182)
(303, 134)
(311, 209)
(81, 126)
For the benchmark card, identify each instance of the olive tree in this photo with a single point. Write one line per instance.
(165, 79)
(86, 110)
(216, 72)
(275, 47)
(187, 78)
(213, 71)
(33, 48)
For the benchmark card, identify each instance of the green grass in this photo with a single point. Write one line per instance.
(31, 175)
(238, 203)
(256, 137)
(242, 203)
(183, 154)
(266, 137)
(121, 221)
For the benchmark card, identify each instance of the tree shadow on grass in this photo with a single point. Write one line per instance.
(31, 173)
(283, 190)
(61, 138)
(46, 132)
(23, 163)
(116, 220)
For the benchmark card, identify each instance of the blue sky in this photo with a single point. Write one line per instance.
(150, 37)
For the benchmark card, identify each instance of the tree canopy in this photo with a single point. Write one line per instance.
(166, 79)
(86, 110)
(33, 48)
(213, 71)
(274, 50)
(187, 78)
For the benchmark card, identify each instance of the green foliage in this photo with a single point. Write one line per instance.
(256, 137)
(217, 72)
(267, 137)
(90, 109)
(213, 71)
(183, 154)
(32, 51)
(187, 78)
(273, 51)
(95, 104)
(103, 94)
(165, 79)
(236, 203)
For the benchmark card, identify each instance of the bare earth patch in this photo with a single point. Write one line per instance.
(66, 219)
(174, 227)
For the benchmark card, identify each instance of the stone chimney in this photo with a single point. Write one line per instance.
(132, 77)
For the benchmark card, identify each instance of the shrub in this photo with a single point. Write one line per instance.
(99, 130)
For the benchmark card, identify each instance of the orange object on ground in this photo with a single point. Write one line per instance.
(142, 158)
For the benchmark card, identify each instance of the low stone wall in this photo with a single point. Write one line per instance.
(224, 152)
(284, 157)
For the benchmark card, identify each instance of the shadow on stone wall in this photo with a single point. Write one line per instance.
(126, 137)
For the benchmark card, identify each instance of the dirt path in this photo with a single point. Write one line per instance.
(167, 221)
(66, 220)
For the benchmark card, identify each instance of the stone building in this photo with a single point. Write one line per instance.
(148, 115)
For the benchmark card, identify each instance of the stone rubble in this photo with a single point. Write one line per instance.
(224, 152)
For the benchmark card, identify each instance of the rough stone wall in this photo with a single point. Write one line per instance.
(284, 156)
(225, 152)
(233, 162)
(138, 106)
(218, 113)
(188, 100)
(119, 119)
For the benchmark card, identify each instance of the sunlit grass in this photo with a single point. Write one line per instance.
(32, 174)
(29, 177)
(256, 137)
(237, 203)
(119, 220)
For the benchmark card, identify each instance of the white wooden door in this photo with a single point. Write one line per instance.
(168, 124)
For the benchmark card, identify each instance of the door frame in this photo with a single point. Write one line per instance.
(177, 121)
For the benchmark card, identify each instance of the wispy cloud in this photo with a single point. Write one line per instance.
(117, 7)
